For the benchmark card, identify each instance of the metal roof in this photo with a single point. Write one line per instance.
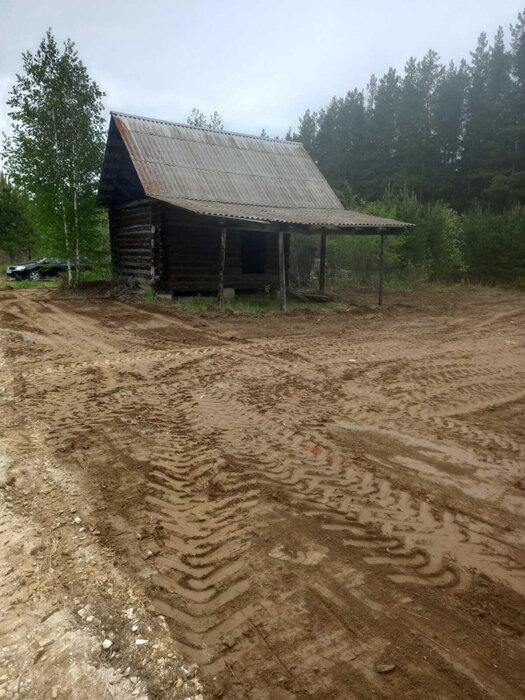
(226, 174)
(288, 215)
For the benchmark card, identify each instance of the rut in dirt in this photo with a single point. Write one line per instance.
(316, 503)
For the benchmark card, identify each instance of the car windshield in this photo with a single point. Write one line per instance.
(43, 260)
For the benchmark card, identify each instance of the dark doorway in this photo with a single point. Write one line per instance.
(253, 248)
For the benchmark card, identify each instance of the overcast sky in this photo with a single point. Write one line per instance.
(259, 64)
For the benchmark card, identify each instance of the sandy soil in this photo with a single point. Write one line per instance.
(295, 506)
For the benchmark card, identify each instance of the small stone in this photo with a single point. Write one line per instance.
(89, 618)
(78, 520)
(179, 683)
(3, 692)
(81, 613)
(139, 641)
(54, 692)
(385, 668)
(107, 643)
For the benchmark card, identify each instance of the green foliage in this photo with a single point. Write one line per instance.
(494, 245)
(450, 133)
(16, 230)
(444, 247)
(55, 151)
(198, 118)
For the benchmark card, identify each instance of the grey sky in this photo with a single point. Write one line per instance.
(259, 64)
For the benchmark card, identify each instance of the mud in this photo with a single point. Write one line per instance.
(325, 506)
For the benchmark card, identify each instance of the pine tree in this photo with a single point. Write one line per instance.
(308, 128)
(455, 133)
(517, 110)
(383, 133)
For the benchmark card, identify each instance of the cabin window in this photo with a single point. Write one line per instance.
(253, 249)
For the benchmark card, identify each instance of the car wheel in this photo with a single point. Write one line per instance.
(35, 275)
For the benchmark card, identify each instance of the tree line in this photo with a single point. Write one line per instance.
(440, 146)
(454, 133)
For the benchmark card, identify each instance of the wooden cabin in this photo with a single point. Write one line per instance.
(196, 210)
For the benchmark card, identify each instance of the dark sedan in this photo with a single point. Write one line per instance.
(42, 269)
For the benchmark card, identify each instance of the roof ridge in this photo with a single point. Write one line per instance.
(205, 128)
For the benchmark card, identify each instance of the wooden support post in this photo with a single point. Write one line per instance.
(222, 258)
(322, 265)
(381, 261)
(282, 273)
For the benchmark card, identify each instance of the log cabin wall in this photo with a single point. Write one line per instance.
(189, 247)
(135, 240)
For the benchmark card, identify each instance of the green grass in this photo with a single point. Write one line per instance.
(102, 273)
(419, 284)
(240, 305)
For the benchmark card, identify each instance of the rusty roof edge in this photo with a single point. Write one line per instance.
(204, 128)
(179, 201)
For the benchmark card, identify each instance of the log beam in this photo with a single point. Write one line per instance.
(282, 273)
(222, 259)
(381, 265)
(322, 265)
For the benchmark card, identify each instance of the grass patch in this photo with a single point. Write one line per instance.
(420, 284)
(239, 305)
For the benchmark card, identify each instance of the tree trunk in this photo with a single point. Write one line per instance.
(77, 231)
(64, 216)
(222, 259)
(282, 272)
(66, 237)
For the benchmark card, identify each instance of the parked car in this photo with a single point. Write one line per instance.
(43, 268)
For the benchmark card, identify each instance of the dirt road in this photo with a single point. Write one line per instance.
(295, 506)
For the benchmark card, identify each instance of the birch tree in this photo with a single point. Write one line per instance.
(55, 151)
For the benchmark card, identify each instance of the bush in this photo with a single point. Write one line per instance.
(494, 245)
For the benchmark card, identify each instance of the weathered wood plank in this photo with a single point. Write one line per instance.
(222, 259)
(322, 265)
(282, 273)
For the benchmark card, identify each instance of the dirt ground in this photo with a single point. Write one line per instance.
(196, 505)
